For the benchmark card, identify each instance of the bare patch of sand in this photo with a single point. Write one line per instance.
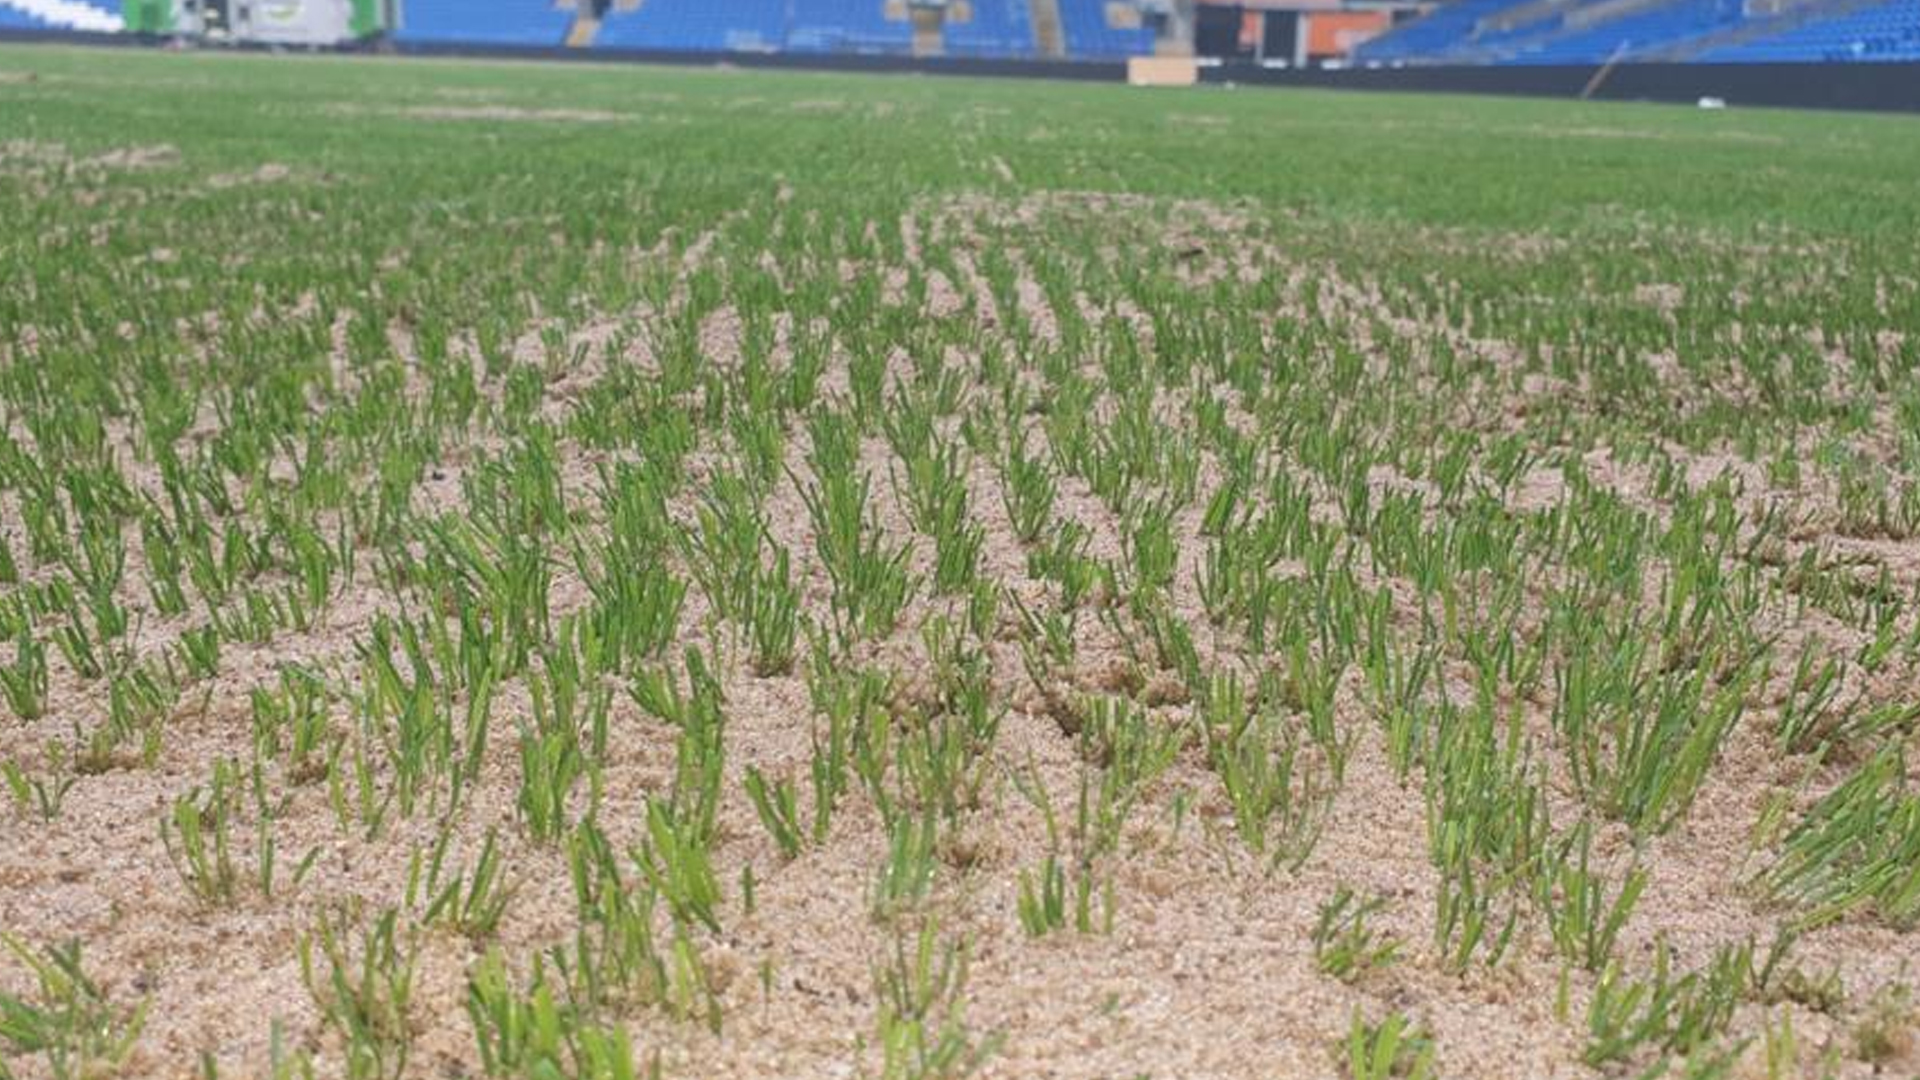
(271, 172)
(515, 114)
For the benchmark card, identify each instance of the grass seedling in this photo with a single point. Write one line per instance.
(1673, 1014)
(197, 836)
(1859, 847)
(1584, 922)
(1344, 946)
(1888, 1029)
(1050, 894)
(779, 810)
(200, 651)
(68, 1020)
(1472, 915)
(872, 583)
(773, 620)
(701, 749)
(907, 871)
(530, 1034)
(1279, 801)
(470, 903)
(922, 1024)
(43, 795)
(362, 984)
(613, 957)
(551, 764)
(675, 859)
(1394, 1048)
(24, 682)
(1027, 490)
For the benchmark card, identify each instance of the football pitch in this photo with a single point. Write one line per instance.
(552, 570)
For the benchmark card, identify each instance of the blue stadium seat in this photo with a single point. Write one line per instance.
(1884, 32)
(1662, 27)
(998, 28)
(1442, 32)
(697, 26)
(994, 28)
(1676, 29)
(488, 22)
(1089, 36)
(821, 26)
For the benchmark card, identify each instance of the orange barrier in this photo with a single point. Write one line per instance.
(1336, 33)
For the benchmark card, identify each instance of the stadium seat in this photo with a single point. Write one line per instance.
(1446, 30)
(988, 28)
(824, 26)
(997, 28)
(819, 26)
(1661, 27)
(1885, 32)
(1089, 35)
(696, 26)
(1716, 31)
(492, 22)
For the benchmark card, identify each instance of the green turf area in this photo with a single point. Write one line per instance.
(551, 570)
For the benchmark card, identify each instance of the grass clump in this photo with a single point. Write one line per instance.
(69, 1019)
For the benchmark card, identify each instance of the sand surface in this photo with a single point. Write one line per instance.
(1208, 967)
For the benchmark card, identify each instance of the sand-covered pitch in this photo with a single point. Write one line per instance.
(1450, 438)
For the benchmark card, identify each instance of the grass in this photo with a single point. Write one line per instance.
(1392, 1048)
(531, 1034)
(39, 795)
(1859, 847)
(1344, 946)
(472, 902)
(463, 518)
(197, 835)
(922, 1030)
(69, 1021)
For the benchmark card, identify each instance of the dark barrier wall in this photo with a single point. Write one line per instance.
(1889, 87)
(1885, 87)
(69, 37)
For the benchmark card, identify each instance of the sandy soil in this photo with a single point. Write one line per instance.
(1208, 970)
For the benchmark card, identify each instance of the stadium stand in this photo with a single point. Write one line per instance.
(997, 28)
(1446, 30)
(99, 16)
(756, 26)
(1089, 35)
(1882, 32)
(494, 22)
(986, 28)
(1496, 32)
(696, 25)
(1633, 32)
(847, 26)
(1594, 31)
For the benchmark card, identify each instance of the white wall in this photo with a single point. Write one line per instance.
(291, 22)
